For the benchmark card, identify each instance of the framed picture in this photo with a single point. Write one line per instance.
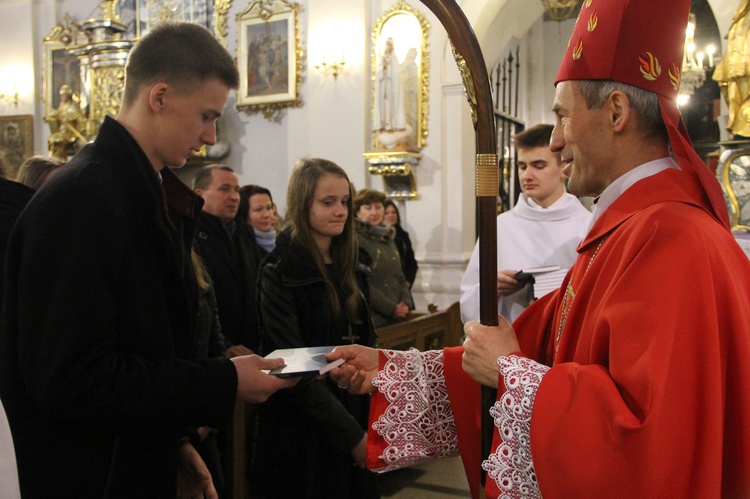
(60, 68)
(140, 16)
(16, 141)
(268, 58)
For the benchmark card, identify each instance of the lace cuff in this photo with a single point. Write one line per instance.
(511, 466)
(418, 424)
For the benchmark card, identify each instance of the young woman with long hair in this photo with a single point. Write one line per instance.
(312, 292)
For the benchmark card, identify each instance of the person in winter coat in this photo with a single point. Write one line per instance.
(312, 292)
(390, 298)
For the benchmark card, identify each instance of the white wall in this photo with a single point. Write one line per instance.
(17, 61)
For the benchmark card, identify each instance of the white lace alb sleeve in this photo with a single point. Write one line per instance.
(510, 466)
(418, 424)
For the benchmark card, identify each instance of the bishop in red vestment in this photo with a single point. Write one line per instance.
(632, 379)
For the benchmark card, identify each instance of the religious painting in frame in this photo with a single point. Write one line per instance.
(16, 141)
(268, 58)
(60, 67)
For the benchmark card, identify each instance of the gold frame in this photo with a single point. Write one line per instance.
(216, 19)
(380, 33)
(220, 29)
(25, 125)
(261, 16)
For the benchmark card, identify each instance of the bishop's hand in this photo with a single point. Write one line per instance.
(483, 346)
(360, 368)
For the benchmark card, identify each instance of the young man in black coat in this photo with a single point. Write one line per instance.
(100, 301)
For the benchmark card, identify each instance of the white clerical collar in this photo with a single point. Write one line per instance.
(626, 181)
(564, 207)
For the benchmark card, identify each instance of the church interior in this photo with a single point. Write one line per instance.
(327, 106)
(61, 72)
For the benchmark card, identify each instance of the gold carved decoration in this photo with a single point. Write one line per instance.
(734, 172)
(400, 35)
(106, 95)
(732, 74)
(221, 9)
(83, 68)
(397, 169)
(269, 57)
(463, 68)
(142, 15)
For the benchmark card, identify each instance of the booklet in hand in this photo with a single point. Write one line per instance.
(527, 275)
(303, 361)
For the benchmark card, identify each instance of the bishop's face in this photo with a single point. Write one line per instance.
(580, 137)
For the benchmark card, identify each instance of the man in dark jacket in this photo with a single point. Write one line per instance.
(231, 256)
(100, 301)
(13, 197)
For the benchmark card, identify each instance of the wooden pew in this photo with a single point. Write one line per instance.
(424, 331)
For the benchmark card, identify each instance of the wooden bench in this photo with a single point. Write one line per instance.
(424, 331)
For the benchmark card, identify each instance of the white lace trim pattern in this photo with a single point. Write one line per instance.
(418, 423)
(510, 466)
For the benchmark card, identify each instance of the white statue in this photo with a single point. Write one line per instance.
(389, 99)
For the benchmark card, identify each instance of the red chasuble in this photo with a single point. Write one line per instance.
(648, 394)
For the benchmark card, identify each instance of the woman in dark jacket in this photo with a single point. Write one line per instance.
(312, 439)
(257, 209)
(403, 242)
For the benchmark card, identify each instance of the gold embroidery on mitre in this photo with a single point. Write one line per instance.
(650, 68)
(675, 76)
(593, 21)
(588, 3)
(577, 51)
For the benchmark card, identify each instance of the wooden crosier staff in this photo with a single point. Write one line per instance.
(470, 62)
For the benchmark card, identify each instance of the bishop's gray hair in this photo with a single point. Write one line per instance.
(644, 103)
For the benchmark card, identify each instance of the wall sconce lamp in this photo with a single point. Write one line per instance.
(332, 68)
(10, 98)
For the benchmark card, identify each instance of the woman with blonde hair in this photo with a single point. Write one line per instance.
(36, 170)
(312, 293)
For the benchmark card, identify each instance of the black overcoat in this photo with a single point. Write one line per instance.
(232, 262)
(99, 319)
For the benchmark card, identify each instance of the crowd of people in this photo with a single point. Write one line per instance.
(135, 316)
(145, 335)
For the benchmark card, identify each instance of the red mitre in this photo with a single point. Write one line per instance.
(641, 43)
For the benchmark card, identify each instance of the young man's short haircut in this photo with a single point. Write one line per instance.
(204, 176)
(536, 136)
(181, 54)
